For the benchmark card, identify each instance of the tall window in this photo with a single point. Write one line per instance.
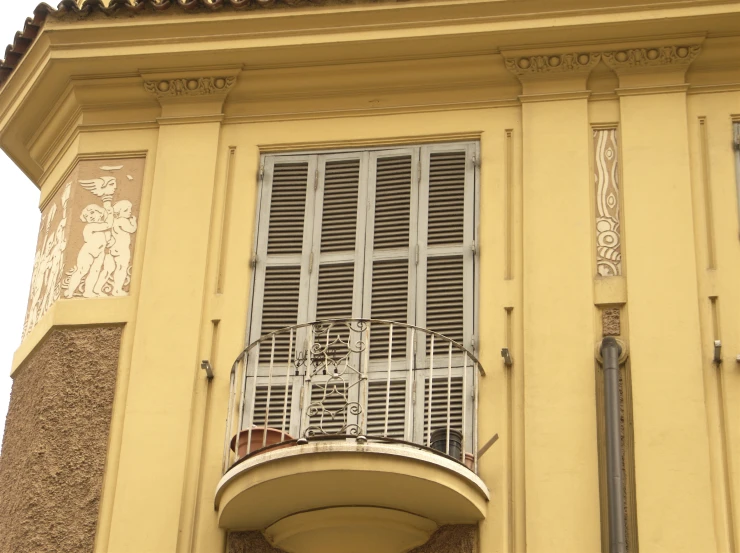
(376, 234)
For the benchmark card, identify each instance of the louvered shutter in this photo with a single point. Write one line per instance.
(445, 278)
(336, 290)
(446, 240)
(280, 296)
(390, 268)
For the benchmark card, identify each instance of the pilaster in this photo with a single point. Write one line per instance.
(561, 466)
(670, 427)
(158, 411)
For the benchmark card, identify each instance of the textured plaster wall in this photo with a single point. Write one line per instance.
(55, 443)
(462, 538)
(249, 542)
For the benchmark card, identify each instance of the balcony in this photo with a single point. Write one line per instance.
(359, 430)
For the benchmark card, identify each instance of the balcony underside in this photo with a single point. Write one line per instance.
(399, 490)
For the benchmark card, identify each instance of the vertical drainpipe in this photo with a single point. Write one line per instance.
(610, 352)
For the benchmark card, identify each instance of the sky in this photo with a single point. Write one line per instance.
(19, 225)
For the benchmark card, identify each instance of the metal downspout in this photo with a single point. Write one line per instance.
(610, 352)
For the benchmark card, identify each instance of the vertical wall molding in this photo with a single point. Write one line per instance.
(721, 410)
(707, 188)
(736, 146)
(222, 239)
(509, 206)
(606, 181)
(510, 512)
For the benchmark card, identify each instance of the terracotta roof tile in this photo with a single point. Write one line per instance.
(23, 39)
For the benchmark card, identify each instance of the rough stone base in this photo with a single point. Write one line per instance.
(249, 542)
(459, 538)
(56, 441)
(448, 539)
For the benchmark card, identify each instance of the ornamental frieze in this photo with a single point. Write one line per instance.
(634, 58)
(552, 63)
(202, 86)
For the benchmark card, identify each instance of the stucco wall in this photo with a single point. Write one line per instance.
(56, 440)
(460, 538)
(249, 542)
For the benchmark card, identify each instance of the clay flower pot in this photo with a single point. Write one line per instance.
(260, 435)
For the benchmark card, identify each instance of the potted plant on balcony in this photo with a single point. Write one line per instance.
(261, 438)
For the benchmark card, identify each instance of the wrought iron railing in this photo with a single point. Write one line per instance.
(362, 379)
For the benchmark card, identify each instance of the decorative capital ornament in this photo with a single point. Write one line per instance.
(552, 63)
(650, 58)
(202, 86)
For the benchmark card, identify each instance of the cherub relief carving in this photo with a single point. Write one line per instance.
(86, 237)
(104, 260)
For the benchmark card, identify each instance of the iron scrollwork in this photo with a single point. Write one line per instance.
(334, 353)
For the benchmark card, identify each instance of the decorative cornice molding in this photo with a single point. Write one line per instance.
(638, 59)
(532, 66)
(201, 86)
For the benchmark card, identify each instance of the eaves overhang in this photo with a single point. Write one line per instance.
(82, 60)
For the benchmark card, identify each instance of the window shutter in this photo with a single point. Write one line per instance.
(446, 244)
(283, 245)
(335, 290)
(390, 251)
(338, 236)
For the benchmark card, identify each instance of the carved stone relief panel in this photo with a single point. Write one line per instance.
(606, 177)
(87, 235)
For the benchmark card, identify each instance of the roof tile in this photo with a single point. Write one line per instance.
(23, 39)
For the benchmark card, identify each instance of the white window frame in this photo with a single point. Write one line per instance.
(311, 244)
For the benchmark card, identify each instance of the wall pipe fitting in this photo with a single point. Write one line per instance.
(610, 352)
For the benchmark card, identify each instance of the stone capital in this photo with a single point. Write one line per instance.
(547, 65)
(651, 69)
(196, 96)
(636, 60)
(547, 76)
(184, 87)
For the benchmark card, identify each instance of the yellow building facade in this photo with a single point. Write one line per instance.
(480, 195)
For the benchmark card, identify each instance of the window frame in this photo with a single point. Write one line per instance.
(415, 416)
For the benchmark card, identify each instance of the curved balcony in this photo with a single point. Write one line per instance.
(351, 429)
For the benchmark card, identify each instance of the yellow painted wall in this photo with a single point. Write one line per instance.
(538, 293)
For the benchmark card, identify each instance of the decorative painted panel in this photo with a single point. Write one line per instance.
(87, 236)
(606, 177)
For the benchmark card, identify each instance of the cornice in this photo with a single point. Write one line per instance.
(548, 64)
(650, 59)
(201, 86)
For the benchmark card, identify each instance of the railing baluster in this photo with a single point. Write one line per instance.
(269, 392)
(388, 379)
(449, 394)
(364, 401)
(243, 393)
(431, 393)
(409, 405)
(475, 417)
(230, 416)
(464, 403)
(254, 402)
(287, 387)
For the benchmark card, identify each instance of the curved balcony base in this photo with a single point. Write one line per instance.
(356, 529)
(275, 485)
